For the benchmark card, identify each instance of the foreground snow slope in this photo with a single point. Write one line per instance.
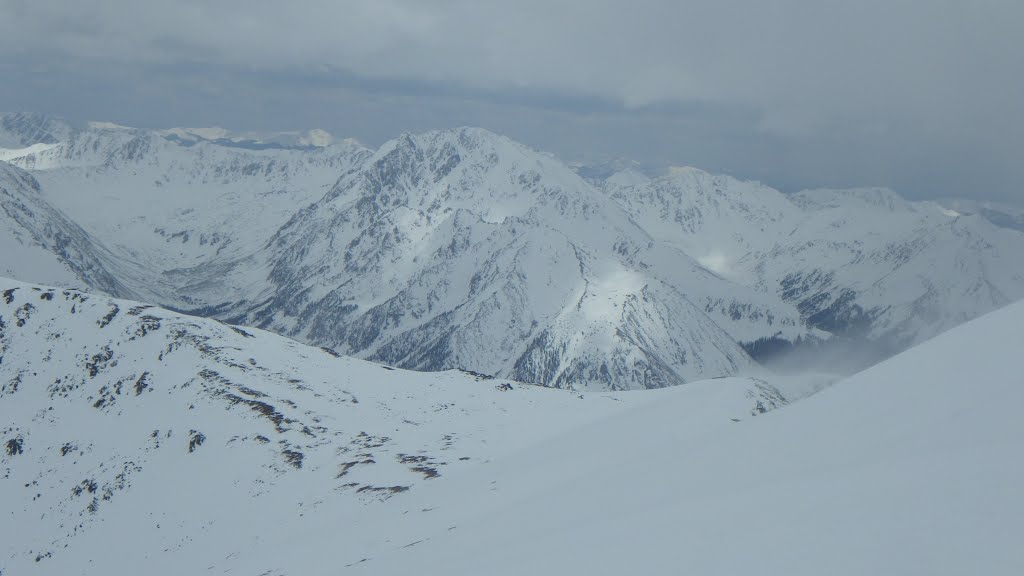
(911, 467)
(136, 440)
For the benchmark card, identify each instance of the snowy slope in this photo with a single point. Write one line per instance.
(23, 254)
(22, 130)
(905, 272)
(41, 244)
(861, 263)
(139, 440)
(171, 206)
(910, 467)
(717, 219)
(149, 441)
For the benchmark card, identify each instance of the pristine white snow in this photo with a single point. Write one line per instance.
(311, 464)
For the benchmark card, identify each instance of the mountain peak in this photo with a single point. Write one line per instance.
(465, 137)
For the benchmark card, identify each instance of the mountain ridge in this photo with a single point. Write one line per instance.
(461, 248)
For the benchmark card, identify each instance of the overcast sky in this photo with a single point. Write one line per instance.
(924, 96)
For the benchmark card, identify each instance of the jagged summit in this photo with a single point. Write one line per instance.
(443, 236)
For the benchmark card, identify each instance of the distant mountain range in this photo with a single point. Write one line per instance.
(464, 249)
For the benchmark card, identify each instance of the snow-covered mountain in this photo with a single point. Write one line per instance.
(23, 130)
(860, 263)
(165, 206)
(40, 243)
(140, 440)
(906, 272)
(455, 249)
(137, 439)
(463, 249)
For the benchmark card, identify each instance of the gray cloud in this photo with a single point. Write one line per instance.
(921, 95)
